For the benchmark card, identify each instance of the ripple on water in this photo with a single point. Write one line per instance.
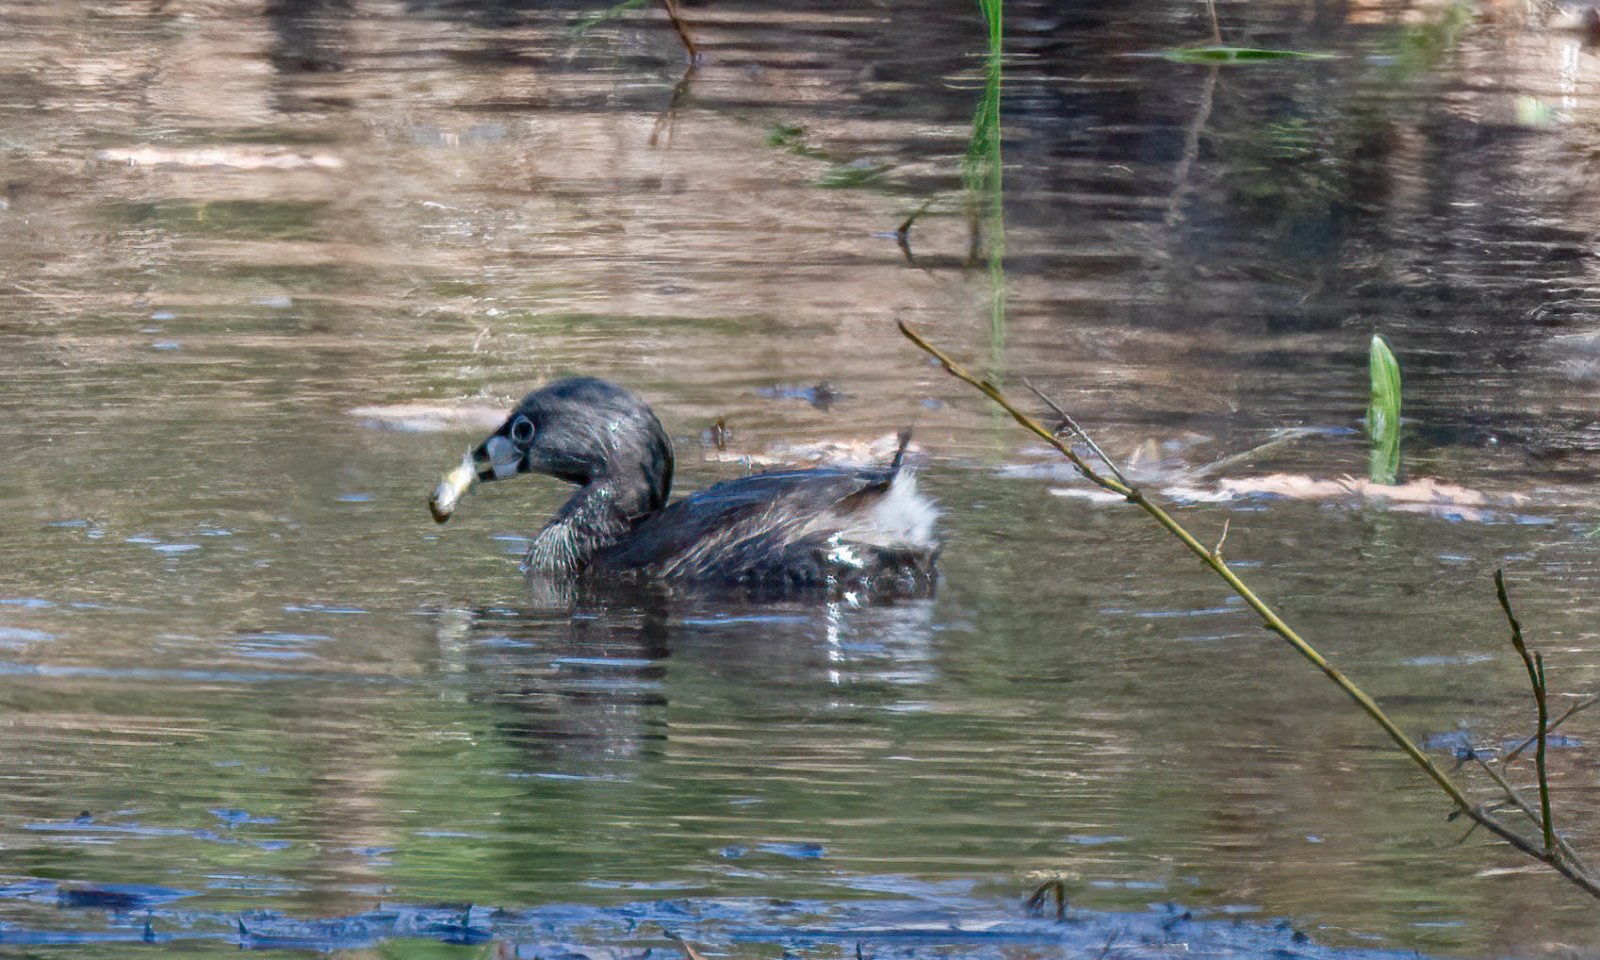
(794, 851)
(27, 603)
(279, 645)
(233, 816)
(15, 638)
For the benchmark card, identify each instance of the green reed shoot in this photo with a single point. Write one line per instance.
(1383, 413)
(994, 16)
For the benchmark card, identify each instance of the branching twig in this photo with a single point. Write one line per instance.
(1514, 799)
(1028, 423)
(1077, 431)
(1573, 871)
(1268, 616)
(1054, 885)
(1552, 855)
(1535, 665)
(1571, 711)
(1216, 551)
(902, 234)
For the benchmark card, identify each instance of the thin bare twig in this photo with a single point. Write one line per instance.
(1572, 711)
(1269, 617)
(1027, 422)
(1216, 551)
(904, 230)
(902, 233)
(1573, 871)
(1077, 431)
(1514, 799)
(1535, 665)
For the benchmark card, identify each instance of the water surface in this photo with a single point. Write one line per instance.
(242, 666)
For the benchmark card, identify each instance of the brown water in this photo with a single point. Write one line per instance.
(229, 632)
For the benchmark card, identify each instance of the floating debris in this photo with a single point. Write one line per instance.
(824, 452)
(1422, 495)
(236, 157)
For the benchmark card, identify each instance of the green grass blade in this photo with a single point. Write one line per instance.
(1383, 413)
(605, 16)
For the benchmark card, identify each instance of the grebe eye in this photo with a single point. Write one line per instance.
(522, 430)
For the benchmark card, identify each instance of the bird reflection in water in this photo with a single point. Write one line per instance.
(588, 683)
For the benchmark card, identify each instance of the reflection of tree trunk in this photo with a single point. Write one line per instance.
(676, 17)
(1191, 150)
(669, 116)
(1172, 223)
(354, 812)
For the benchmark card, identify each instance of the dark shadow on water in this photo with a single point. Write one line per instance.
(914, 919)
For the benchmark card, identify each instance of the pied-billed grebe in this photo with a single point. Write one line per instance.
(858, 531)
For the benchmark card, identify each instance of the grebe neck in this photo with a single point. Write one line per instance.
(596, 518)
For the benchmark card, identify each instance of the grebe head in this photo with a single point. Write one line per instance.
(585, 431)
